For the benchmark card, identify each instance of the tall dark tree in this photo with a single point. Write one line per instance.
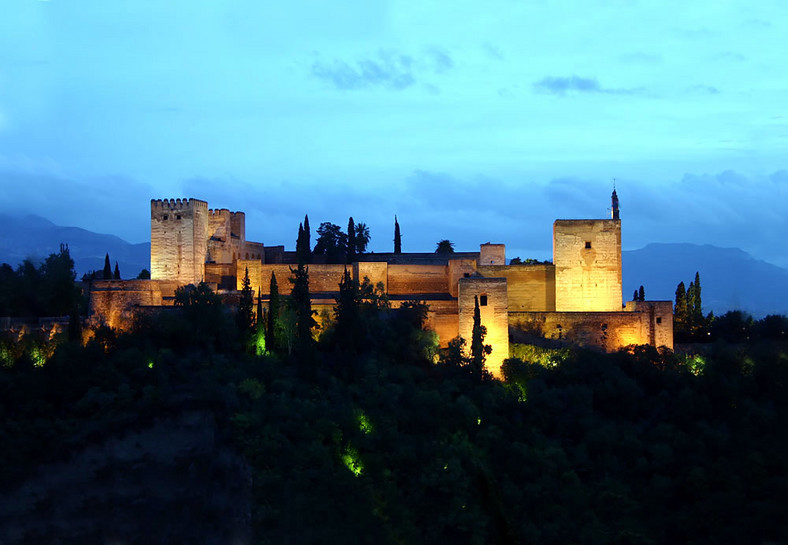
(261, 324)
(273, 315)
(641, 294)
(307, 239)
(302, 248)
(444, 247)
(351, 240)
(697, 305)
(107, 268)
(301, 303)
(362, 237)
(635, 295)
(478, 349)
(397, 237)
(347, 314)
(331, 243)
(116, 274)
(244, 317)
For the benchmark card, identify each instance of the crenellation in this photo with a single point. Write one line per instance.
(576, 298)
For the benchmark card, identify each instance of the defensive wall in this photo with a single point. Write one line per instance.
(577, 297)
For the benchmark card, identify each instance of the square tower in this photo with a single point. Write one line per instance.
(587, 259)
(179, 240)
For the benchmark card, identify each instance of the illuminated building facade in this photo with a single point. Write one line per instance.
(576, 298)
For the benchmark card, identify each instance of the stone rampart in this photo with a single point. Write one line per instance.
(114, 302)
(416, 279)
(377, 273)
(492, 254)
(529, 287)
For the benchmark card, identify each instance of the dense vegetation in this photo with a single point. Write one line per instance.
(358, 435)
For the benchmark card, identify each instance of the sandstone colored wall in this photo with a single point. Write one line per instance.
(376, 272)
(417, 279)
(494, 316)
(113, 302)
(607, 330)
(660, 317)
(529, 287)
(587, 259)
(459, 268)
(492, 254)
(179, 240)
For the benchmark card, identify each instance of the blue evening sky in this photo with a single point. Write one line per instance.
(474, 121)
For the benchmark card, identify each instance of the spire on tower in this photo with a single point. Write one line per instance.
(614, 198)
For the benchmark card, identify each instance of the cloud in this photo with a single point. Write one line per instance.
(702, 90)
(387, 69)
(574, 84)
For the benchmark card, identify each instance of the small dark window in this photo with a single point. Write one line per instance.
(178, 216)
(659, 319)
(482, 300)
(467, 275)
(588, 244)
(164, 217)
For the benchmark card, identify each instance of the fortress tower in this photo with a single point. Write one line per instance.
(179, 240)
(587, 258)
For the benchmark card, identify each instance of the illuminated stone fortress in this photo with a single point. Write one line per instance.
(577, 298)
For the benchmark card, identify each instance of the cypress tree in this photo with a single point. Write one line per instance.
(273, 314)
(351, 240)
(260, 326)
(641, 294)
(680, 311)
(347, 314)
(307, 240)
(107, 268)
(301, 302)
(397, 237)
(478, 348)
(117, 272)
(244, 318)
(635, 296)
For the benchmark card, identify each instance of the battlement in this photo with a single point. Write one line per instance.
(177, 204)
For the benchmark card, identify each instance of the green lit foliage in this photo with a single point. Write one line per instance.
(273, 324)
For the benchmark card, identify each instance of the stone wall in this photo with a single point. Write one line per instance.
(179, 240)
(114, 302)
(417, 279)
(494, 311)
(587, 259)
(459, 268)
(377, 273)
(529, 287)
(660, 317)
(606, 330)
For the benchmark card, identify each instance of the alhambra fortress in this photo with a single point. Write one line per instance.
(577, 298)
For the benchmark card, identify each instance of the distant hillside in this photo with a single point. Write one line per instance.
(730, 278)
(35, 237)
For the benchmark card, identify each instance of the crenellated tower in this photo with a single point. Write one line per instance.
(179, 239)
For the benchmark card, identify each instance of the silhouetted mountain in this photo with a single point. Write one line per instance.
(35, 237)
(730, 278)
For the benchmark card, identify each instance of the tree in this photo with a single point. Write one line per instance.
(351, 240)
(635, 295)
(273, 315)
(445, 247)
(116, 274)
(331, 242)
(362, 237)
(301, 303)
(697, 306)
(244, 317)
(641, 294)
(261, 323)
(307, 239)
(515, 261)
(347, 314)
(144, 275)
(397, 237)
(478, 349)
(680, 311)
(107, 268)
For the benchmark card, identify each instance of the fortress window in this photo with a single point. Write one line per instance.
(466, 275)
(178, 216)
(482, 300)
(588, 244)
(164, 217)
(659, 319)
